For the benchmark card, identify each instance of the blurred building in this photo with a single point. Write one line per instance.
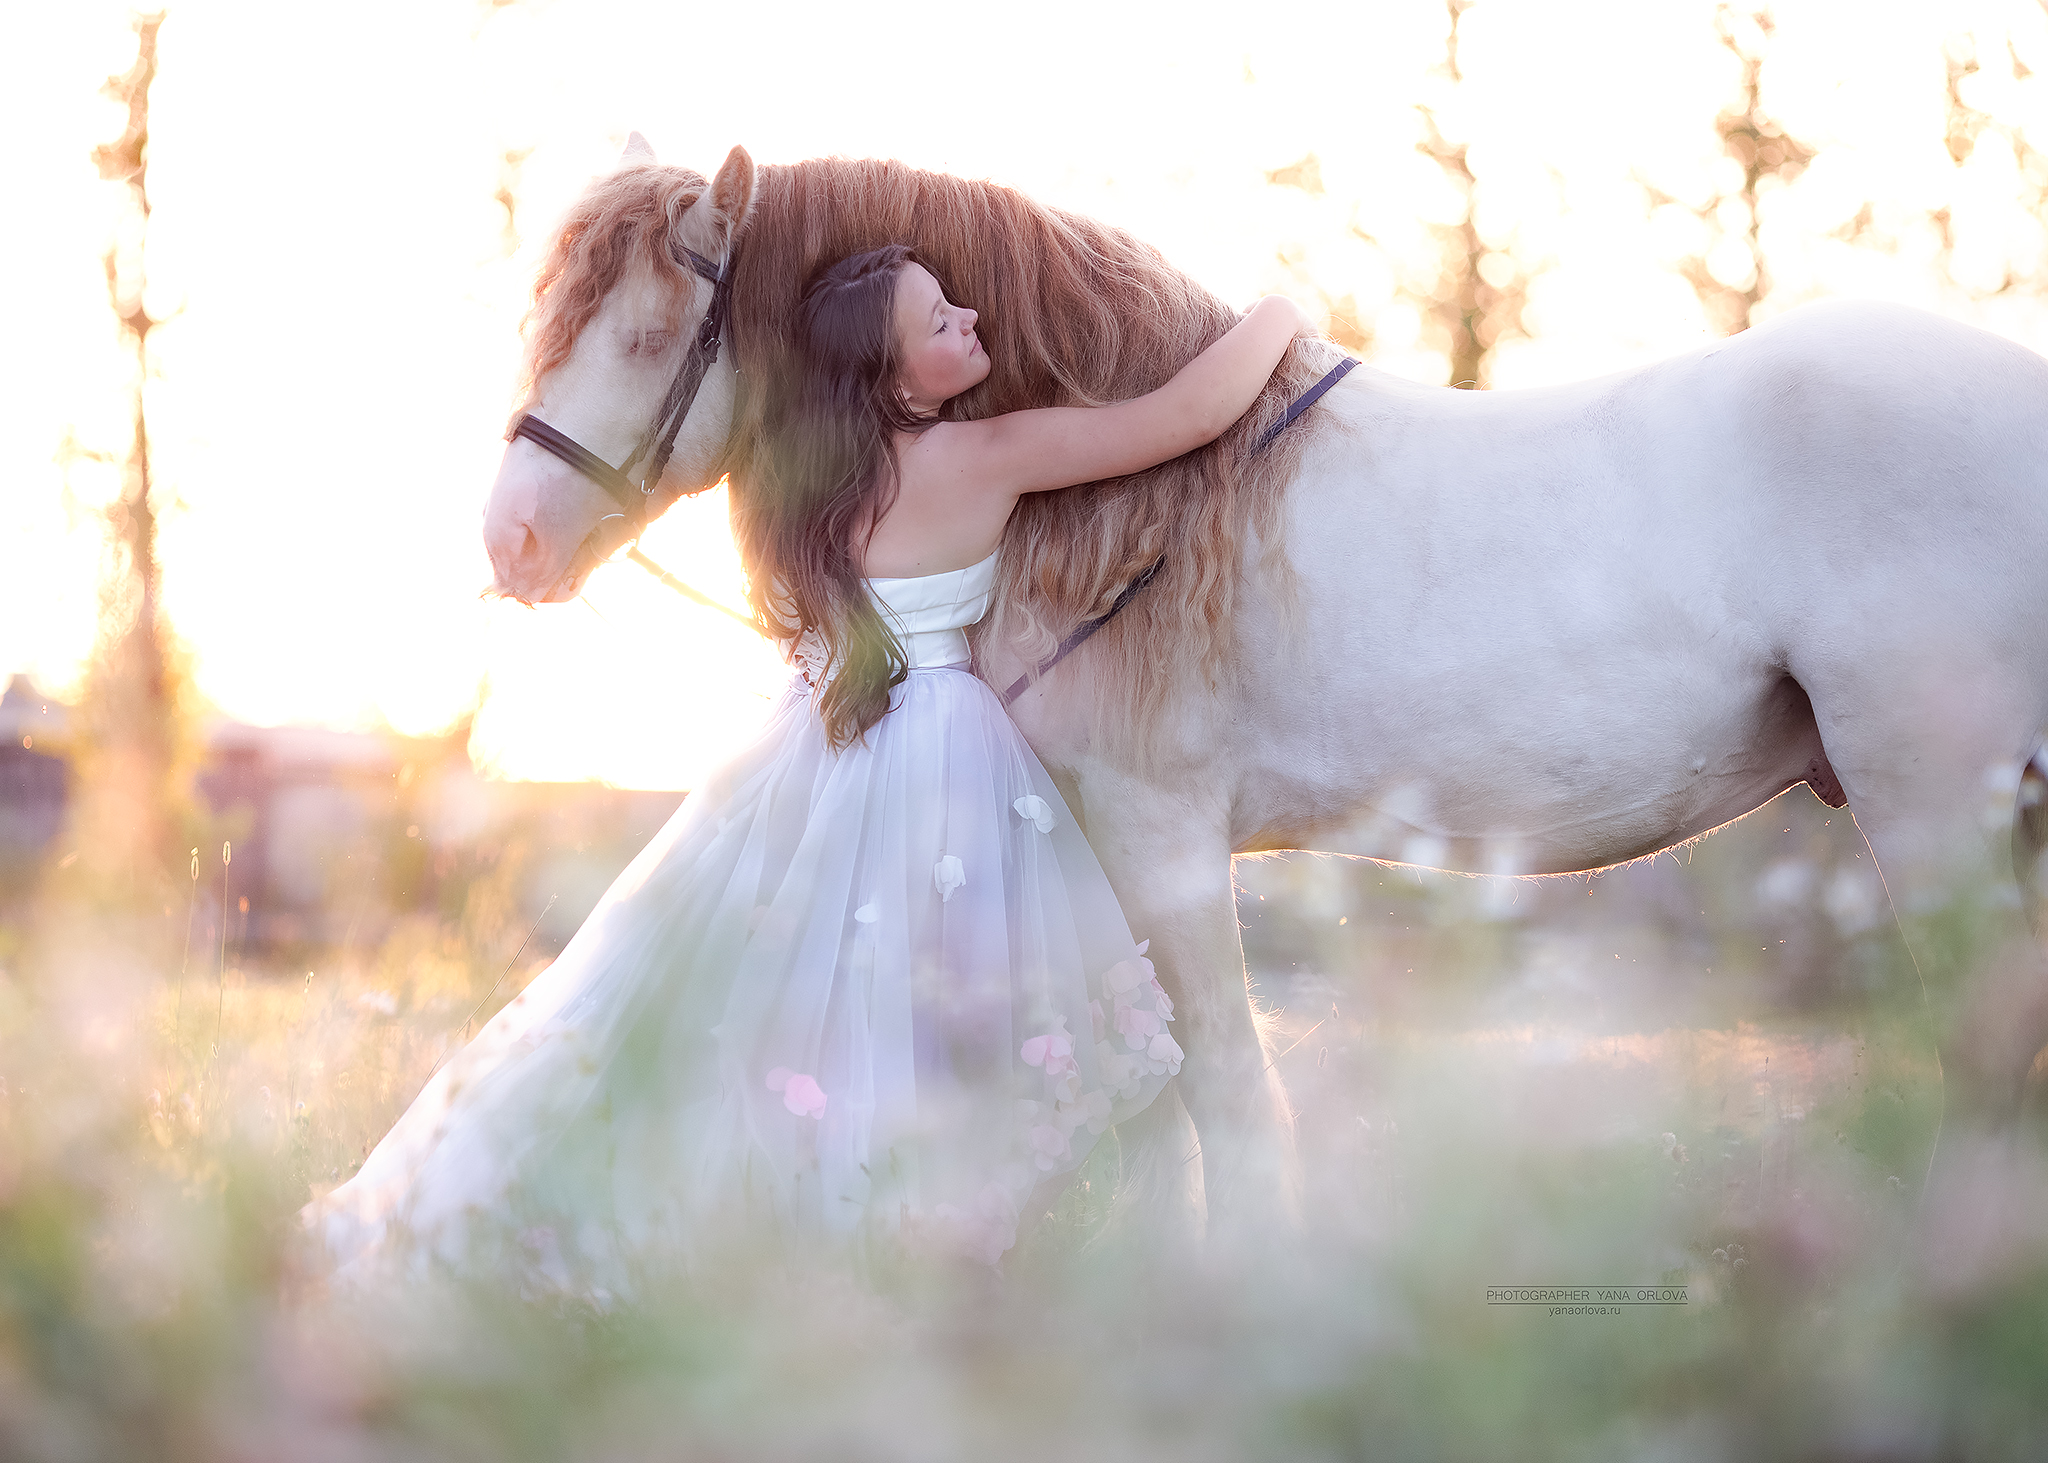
(33, 779)
(336, 834)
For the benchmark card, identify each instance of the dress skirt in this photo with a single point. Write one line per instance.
(872, 996)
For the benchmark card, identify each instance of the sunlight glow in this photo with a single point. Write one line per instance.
(327, 402)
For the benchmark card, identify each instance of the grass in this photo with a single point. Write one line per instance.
(1549, 1091)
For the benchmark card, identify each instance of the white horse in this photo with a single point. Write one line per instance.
(1528, 632)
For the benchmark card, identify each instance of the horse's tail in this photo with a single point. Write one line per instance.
(1159, 1184)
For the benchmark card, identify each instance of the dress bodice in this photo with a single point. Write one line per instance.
(931, 612)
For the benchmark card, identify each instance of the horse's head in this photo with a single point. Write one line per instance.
(616, 311)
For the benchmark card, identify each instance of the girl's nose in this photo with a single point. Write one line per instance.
(967, 319)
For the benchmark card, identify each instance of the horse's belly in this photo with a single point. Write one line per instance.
(1524, 740)
(1512, 808)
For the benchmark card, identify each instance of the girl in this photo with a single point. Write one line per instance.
(870, 981)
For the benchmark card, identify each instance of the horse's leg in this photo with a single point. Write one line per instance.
(1931, 756)
(1169, 860)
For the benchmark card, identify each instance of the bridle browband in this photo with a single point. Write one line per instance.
(637, 501)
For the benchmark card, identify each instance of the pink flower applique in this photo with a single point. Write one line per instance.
(1121, 1074)
(1053, 1051)
(1165, 1049)
(1048, 1145)
(1127, 975)
(1162, 1000)
(1092, 1110)
(801, 1093)
(1137, 1025)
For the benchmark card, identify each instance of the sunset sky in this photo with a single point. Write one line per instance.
(327, 402)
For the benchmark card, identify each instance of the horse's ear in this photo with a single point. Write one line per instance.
(732, 191)
(638, 150)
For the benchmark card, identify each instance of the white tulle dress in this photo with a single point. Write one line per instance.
(879, 995)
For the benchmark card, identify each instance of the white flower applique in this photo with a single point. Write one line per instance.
(1121, 1073)
(1035, 809)
(867, 914)
(948, 874)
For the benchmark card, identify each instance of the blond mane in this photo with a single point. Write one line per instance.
(621, 225)
(1072, 313)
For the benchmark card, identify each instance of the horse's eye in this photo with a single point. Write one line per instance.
(650, 343)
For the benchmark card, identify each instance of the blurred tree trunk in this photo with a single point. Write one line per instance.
(1469, 291)
(1480, 291)
(1730, 274)
(1967, 129)
(1475, 291)
(126, 812)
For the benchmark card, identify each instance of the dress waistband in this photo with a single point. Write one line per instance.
(802, 680)
(930, 649)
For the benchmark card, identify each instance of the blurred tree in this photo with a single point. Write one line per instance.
(1471, 290)
(507, 196)
(1341, 319)
(1968, 128)
(1729, 272)
(127, 813)
(1476, 296)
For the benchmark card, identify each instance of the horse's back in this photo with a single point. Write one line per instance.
(1595, 609)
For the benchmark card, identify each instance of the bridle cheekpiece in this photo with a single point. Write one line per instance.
(640, 502)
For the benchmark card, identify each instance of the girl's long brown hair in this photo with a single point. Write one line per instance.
(805, 507)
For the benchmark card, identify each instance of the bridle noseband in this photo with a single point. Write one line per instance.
(637, 501)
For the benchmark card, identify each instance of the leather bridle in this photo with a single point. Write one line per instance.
(642, 501)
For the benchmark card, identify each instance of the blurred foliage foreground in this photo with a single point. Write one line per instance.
(1699, 1072)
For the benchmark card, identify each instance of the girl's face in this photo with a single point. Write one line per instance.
(938, 352)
